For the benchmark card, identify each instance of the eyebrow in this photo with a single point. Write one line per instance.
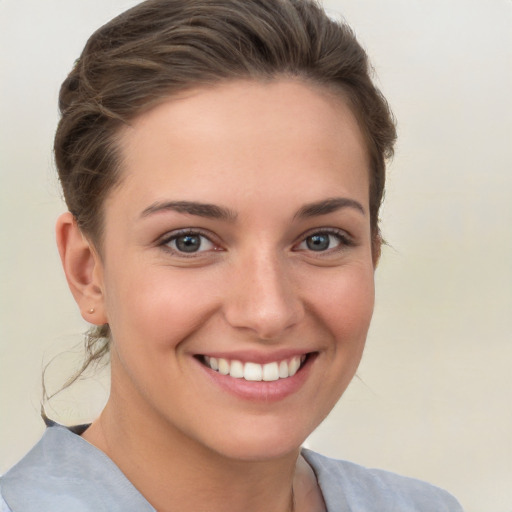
(213, 211)
(210, 211)
(328, 206)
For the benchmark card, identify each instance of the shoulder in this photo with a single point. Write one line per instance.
(348, 486)
(3, 506)
(63, 472)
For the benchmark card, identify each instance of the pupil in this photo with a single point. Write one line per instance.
(188, 243)
(318, 242)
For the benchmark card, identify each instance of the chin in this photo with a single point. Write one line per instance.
(260, 450)
(261, 440)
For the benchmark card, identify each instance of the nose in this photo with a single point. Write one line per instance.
(263, 297)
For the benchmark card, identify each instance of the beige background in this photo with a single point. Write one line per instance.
(434, 393)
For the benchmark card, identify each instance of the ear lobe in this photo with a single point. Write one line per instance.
(83, 269)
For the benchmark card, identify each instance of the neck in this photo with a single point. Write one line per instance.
(175, 472)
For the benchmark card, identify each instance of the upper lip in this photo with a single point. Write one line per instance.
(251, 356)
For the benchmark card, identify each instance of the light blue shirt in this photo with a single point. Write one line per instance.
(64, 473)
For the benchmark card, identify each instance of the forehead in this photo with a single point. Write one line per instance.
(244, 136)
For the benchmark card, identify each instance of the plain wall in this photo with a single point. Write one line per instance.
(433, 396)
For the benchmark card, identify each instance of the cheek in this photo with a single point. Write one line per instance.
(345, 303)
(157, 309)
(150, 316)
(342, 309)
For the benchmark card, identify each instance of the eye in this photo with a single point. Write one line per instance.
(323, 241)
(188, 243)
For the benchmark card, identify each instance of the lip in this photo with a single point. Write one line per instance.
(258, 357)
(260, 391)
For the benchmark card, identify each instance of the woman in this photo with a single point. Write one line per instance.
(223, 164)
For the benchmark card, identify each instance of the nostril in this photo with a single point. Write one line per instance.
(262, 296)
(268, 320)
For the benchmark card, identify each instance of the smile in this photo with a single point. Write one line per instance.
(255, 372)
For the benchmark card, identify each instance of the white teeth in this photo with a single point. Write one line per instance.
(283, 370)
(236, 370)
(253, 371)
(270, 372)
(223, 366)
(293, 366)
(256, 372)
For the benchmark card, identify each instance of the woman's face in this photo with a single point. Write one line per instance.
(236, 248)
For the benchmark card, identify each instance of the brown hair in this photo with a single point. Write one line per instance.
(160, 47)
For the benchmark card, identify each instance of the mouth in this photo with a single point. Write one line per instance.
(255, 372)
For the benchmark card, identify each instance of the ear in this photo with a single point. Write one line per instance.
(83, 268)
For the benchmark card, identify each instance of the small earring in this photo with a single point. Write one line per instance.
(91, 311)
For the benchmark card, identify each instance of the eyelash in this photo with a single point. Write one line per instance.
(164, 243)
(343, 238)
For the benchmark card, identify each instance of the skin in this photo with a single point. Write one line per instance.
(264, 153)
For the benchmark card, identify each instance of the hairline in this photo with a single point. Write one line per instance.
(336, 91)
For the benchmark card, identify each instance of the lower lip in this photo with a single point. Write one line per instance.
(261, 391)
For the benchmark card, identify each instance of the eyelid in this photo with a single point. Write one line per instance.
(164, 240)
(346, 240)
